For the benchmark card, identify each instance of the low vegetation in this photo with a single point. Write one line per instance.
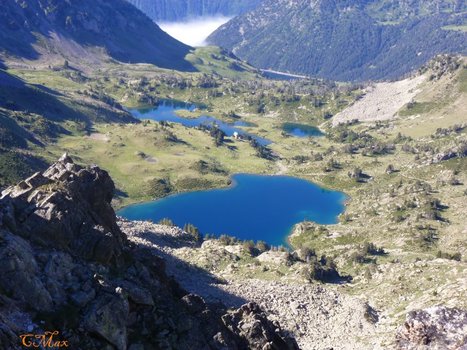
(405, 177)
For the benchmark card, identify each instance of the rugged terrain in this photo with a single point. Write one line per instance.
(345, 40)
(390, 274)
(102, 282)
(67, 266)
(319, 317)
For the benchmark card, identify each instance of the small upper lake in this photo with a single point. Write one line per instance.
(301, 130)
(165, 111)
(255, 207)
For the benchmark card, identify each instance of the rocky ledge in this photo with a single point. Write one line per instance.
(437, 328)
(66, 266)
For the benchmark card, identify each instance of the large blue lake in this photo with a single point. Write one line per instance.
(166, 111)
(255, 207)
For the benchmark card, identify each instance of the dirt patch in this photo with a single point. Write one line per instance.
(382, 101)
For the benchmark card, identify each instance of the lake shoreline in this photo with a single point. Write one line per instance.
(174, 111)
(253, 199)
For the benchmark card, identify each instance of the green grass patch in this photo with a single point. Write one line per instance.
(414, 108)
(462, 81)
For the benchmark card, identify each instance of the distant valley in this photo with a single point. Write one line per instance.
(192, 21)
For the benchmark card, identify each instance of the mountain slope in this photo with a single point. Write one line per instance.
(434, 98)
(345, 40)
(33, 116)
(87, 30)
(176, 10)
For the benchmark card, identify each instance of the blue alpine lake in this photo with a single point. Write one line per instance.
(255, 207)
(301, 130)
(165, 111)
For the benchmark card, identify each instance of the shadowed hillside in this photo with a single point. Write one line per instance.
(87, 30)
(102, 291)
(32, 115)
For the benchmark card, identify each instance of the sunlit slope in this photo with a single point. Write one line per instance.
(435, 97)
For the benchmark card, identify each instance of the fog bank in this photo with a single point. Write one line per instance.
(193, 32)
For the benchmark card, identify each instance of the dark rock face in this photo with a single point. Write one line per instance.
(251, 324)
(74, 29)
(68, 208)
(66, 266)
(435, 328)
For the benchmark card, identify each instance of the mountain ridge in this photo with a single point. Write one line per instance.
(87, 30)
(341, 40)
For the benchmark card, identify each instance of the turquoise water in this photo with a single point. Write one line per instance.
(301, 130)
(255, 207)
(165, 111)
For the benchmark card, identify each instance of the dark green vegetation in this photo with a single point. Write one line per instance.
(345, 40)
(177, 10)
(315, 268)
(15, 166)
(87, 30)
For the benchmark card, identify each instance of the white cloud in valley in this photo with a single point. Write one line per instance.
(193, 32)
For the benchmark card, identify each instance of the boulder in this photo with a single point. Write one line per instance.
(107, 316)
(19, 273)
(251, 324)
(437, 328)
(136, 294)
(194, 303)
(67, 207)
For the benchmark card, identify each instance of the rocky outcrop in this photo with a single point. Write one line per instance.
(66, 207)
(434, 328)
(253, 326)
(458, 151)
(67, 266)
